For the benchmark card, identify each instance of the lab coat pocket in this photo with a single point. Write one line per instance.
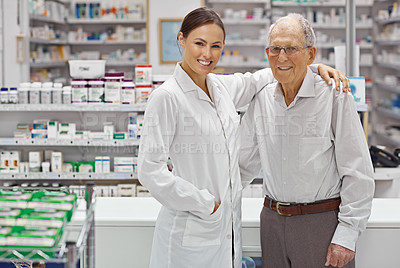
(313, 153)
(203, 232)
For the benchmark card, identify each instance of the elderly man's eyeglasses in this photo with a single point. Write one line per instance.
(290, 50)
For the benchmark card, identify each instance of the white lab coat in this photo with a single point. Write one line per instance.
(200, 136)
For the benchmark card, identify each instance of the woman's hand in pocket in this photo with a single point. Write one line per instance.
(216, 206)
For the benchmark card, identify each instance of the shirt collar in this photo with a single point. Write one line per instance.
(186, 84)
(307, 89)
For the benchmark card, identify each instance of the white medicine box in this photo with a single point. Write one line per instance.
(357, 86)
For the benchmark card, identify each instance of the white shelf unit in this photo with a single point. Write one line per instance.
(111, 47)
(47, 41)
(67, 142)
(98, 42)
(45, 65)
(60, 21)
(59, 70)
(86, 117)
(51, 176)
(314, 4)
(104, 21)
(46, 61)
(1, 45)
(245, 33)
(331, 32)
(92, 107)
(386, 79)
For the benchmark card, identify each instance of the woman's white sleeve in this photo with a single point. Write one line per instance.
(158, 134)
(243, 87)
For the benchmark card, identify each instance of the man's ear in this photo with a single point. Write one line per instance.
(312, 54)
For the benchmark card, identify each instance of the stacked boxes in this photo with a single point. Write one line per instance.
(34, 220)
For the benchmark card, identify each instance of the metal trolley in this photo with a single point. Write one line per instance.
(76, 248)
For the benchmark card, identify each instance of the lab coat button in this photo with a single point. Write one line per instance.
(228, 236)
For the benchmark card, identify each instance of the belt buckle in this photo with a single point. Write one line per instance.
(278, 204)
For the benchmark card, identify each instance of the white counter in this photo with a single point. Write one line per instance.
(124, 232)
(387, 182)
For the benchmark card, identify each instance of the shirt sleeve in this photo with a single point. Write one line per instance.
(355, 169)
(172, 191)
(249, 158)
(243, 87)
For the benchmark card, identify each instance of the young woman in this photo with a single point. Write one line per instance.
(192, 119)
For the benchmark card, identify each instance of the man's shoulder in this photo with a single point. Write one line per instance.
(266, 92)
(322, 86)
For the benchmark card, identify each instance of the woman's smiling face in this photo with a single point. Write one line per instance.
(201, 49)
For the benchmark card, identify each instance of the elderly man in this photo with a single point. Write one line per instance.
(308, 139)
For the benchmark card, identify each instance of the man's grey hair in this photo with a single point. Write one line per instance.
(309, 35)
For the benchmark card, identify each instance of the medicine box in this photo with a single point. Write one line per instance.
(52, 130)
(35, 161)
(112, 191)
(120, 160)
(141, 191)
(102, 191)
(106, 164)
(15, 159)
(57, 162)
(125, 169)
(5, 159)
(109, 130)
(98, 164)
(127, 190)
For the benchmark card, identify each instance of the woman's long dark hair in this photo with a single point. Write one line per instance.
(199, 17)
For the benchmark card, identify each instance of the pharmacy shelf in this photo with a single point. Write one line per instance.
(387, 42)
(236, 1)
(391, 20)
(47, 42)
(67, 142)
(245, 43)
(340, 26)
(365, 64)
(123, 64)
(246, 22)
(91, 107)
(98, 42)
(387, 139)
(388, 65)
(47, 64)
(315, 4)
(68, 176)
(361, 64)
(104, 21)
(244, 64)
(332, 45)
(388, 113)
(387, 87)
(46, 19)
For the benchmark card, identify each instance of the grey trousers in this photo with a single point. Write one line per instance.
(297, 241)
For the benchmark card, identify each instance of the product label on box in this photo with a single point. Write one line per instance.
(79, 94)
(357, 86)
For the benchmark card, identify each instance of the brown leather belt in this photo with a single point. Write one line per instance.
(289, 209)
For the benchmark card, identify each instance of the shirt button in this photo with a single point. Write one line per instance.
(284, 182)
(284, 134)
(284, 159)
(228, 236)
